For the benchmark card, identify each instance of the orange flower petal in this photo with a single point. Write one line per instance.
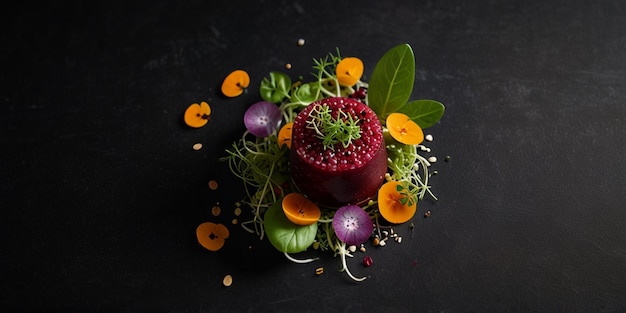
(284, 135)
(235, 83)
(404, 130)
(300, 210)
(349, 71)
(212, 236)
(389, 204)
(197, 115)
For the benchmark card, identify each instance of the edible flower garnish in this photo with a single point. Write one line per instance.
(235, 83)
(212, 236)
(396, 203)
(197, 115)
(262, 118)
(349, 71)
(404, 130)
(352, 224)
(300, 210)
(284, 135)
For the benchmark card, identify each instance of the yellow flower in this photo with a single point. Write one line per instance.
(349, 71)
(235, 83)
(393, 205)
(284, 135)
(212, 236)
(404, 130)
(197, 115)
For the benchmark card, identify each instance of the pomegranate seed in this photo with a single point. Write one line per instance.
(367, 261)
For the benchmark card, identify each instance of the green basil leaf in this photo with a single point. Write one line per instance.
(275, 88)
(391, 82)
(285, 235)
(423, 112)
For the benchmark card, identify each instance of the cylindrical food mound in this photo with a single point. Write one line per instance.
(336, 176)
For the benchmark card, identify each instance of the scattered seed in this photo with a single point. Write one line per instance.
(237, 211)
(427, 214)
(352, 248)
(216, 210)
(362, 249)
(197, 146)
(367, 261)
(398, 239)
(235, 221)
(375, 241)
(429, 137)
(382, 243)
(448, 158)
(300, 42)
(432, 159)
(213, 185)
(316, 245)
(288, 66)
(319, 271)
(227, 281)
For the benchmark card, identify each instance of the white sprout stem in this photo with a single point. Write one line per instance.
(343, 253)
(301, 261)
(338, 88)
(248, 229)
(425, 165)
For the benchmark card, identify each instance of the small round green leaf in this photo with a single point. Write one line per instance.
(285, 235)
(307, 93)
(275, 88)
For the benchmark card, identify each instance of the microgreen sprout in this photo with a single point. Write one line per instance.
(332, 130)
(407, 192)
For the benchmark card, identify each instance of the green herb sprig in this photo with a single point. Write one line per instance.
(332, 130)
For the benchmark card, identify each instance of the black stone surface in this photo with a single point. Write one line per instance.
(101, 190)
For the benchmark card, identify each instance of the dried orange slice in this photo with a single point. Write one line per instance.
(300, 210)
(235, 83)
(284, 135)
(197, 115)
(212, 236)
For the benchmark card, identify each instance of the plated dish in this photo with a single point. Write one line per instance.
(325, 161)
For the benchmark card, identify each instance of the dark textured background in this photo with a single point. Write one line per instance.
(101, 191)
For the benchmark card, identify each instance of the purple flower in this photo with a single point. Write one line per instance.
(262, 118)
(352, 224)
